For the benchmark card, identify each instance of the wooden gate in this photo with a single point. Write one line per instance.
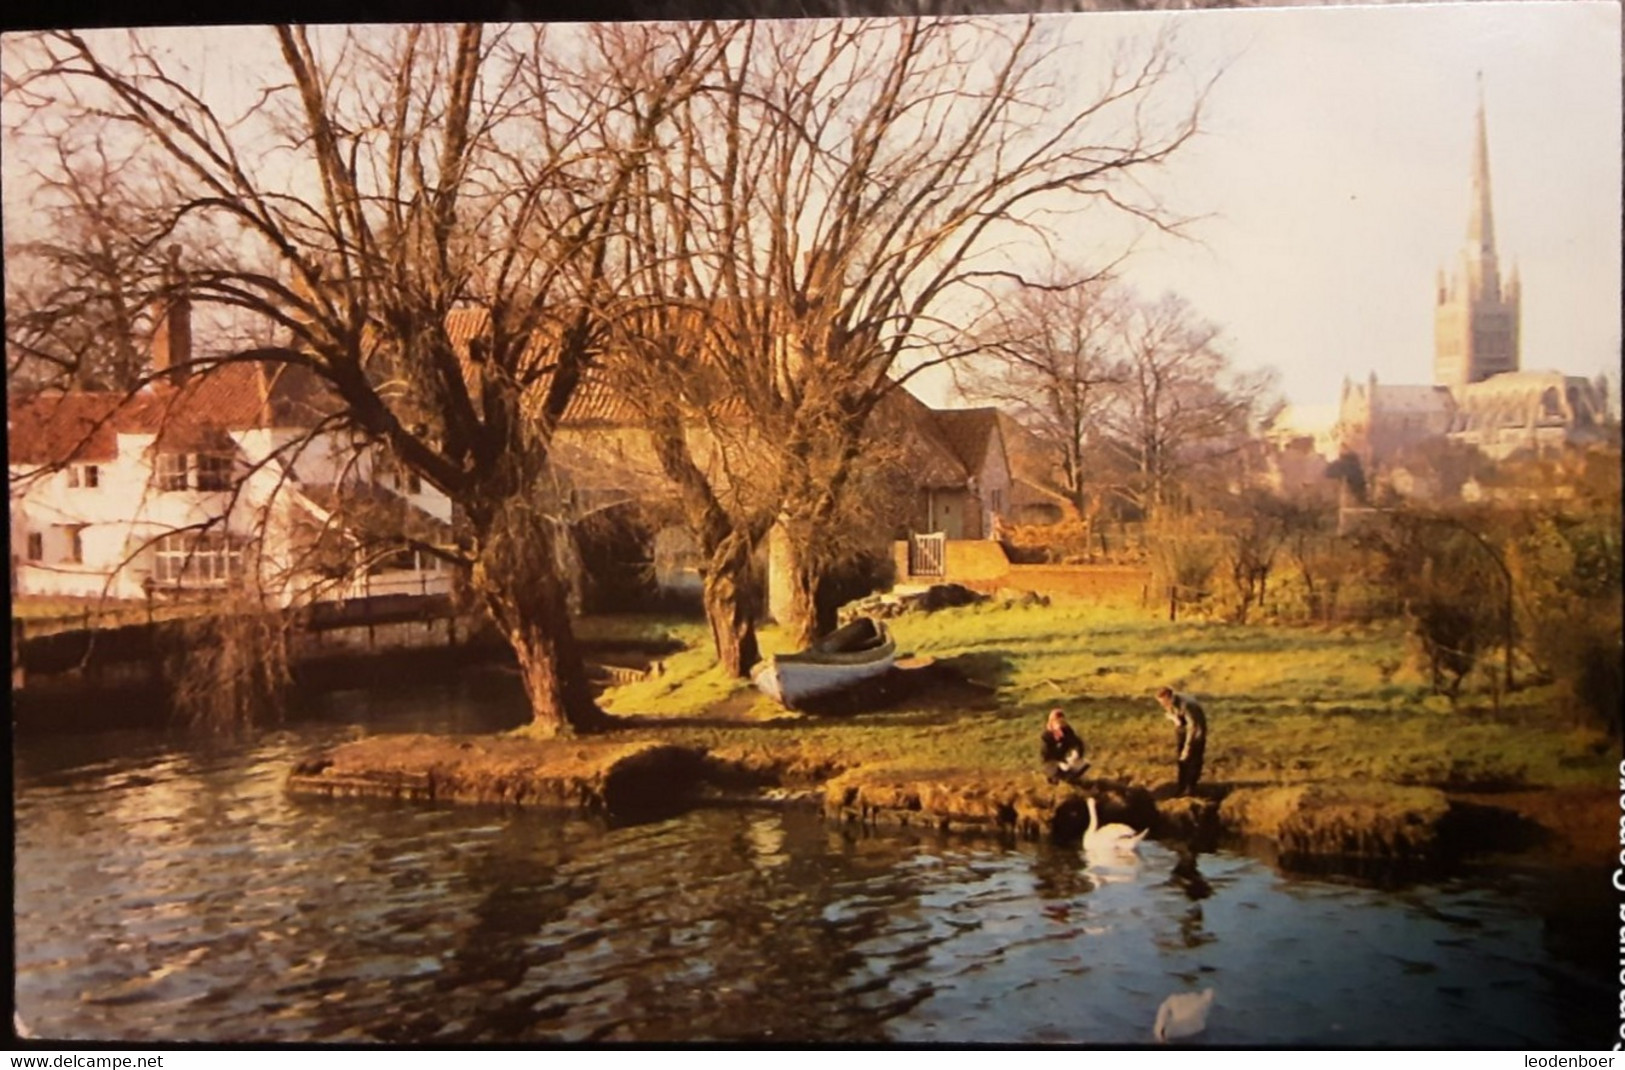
(927, 555)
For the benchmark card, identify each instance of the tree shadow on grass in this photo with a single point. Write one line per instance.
(924, 693)
(918, 692)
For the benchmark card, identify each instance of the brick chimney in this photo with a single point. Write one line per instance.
(172, 338)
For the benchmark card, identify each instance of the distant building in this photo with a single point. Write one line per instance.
(1480, 396)
(1376, 420)
(1530, 411)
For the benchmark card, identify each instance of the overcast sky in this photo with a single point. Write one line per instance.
(1337, 169)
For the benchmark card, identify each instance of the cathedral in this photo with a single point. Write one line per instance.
(1480, 395)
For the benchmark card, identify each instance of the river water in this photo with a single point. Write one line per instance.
(171, 891)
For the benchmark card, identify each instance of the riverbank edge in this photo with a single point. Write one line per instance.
(1301, 825)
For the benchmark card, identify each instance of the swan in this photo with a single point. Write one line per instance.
(1114, 837)
(1182, 1014)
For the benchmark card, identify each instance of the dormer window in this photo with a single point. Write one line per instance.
(213, 471)
(84, 475)
(172, 471)
(199, 471)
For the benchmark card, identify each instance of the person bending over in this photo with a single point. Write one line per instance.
(1190, 735)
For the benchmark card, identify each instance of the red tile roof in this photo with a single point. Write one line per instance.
(254, 389)
(594, 401)
(56, 427)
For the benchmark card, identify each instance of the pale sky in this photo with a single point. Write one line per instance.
(1336, 167)
(1334, 175)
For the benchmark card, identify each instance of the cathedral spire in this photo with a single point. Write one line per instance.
(1481, 220)
(1475, 321)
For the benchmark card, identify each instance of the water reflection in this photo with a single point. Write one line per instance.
(168, 893)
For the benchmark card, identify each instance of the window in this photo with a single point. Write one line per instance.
(213, 471)
(172, 471)
(84, 475)
(209, 557)
(36, 546)
(76, 544)
(414, 483)
(405, 559)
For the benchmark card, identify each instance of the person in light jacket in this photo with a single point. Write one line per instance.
(1190, 734)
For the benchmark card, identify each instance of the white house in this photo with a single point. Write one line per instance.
(198, 482)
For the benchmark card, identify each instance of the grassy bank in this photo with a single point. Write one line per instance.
(1286, 705)
(1341, 708)
(1323, 742)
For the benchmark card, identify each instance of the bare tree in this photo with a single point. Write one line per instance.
(1182, 406)
(80, 282)
(1051, 361)
(372, 183)
(847, 192)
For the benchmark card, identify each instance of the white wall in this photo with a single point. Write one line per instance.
(125, 512)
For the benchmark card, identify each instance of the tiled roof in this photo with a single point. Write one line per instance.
(968, 432)
(930, 458)
(247, 390)
(56, 427)
(1027, 456)
(1412, 398)
(1026, 492)
(594, 401)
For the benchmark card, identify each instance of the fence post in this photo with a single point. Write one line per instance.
(1173, 602)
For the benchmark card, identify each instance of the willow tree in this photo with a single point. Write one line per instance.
(846, 190)
(356, 187)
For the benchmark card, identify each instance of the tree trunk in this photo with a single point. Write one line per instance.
(807, 619)
(730, 606)
(517, 576)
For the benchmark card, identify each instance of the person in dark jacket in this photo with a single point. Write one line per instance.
(1062, 750)
(1190, 734)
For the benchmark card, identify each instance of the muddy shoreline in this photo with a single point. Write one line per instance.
(1303, 826)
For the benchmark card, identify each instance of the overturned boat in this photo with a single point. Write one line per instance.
(860, 651)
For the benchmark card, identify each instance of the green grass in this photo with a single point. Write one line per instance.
(1285, 705)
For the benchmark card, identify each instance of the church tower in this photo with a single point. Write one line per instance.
(1475, 319)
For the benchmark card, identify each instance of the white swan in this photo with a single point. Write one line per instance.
(1115, 838)
(1182, 1014)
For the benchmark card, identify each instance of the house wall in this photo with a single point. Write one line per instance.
(955, 513)
(126, 511)
(778, 574)
(114, 511)
(995, 484)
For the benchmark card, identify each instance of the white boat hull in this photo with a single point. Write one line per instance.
(792, 679)
(792, 683)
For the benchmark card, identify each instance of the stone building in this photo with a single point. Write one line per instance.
(1475, 316)
(1480, 395)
